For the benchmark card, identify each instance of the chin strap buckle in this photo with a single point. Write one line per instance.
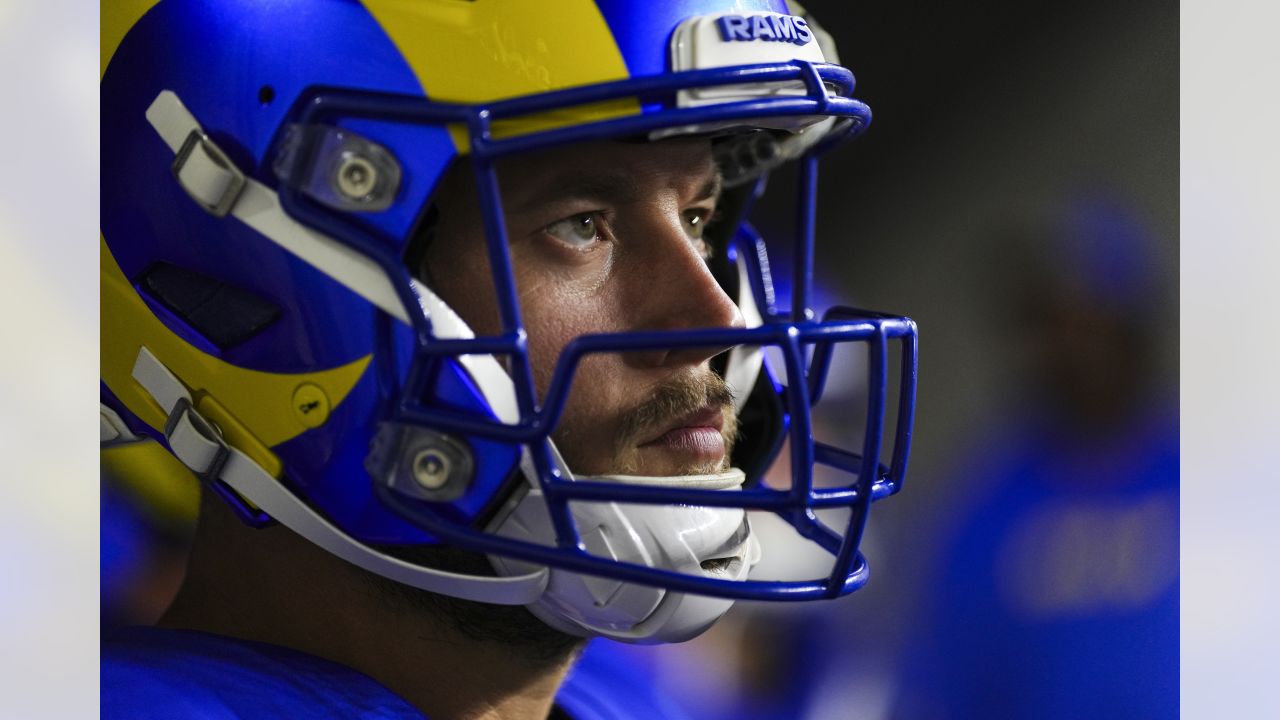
(207, 174)
(196, 442)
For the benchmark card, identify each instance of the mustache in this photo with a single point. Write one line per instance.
(676, 398)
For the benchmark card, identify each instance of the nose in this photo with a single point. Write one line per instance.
(678, 292)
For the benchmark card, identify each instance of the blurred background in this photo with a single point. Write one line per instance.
(1017, 195)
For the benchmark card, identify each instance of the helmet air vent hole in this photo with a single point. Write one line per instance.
(221, 313)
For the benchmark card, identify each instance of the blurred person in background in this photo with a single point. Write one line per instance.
(1057, 582)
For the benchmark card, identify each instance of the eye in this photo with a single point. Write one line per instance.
(578, 231)
(695, 225)
(695, 222)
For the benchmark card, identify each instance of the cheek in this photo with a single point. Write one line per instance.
(477, 308)
(553, 317)
(460, 276)
(551, 323)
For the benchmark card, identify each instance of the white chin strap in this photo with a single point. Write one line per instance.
(198, 444)
(701, 542)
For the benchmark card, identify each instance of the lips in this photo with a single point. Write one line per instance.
(696, 435)
(708, 418)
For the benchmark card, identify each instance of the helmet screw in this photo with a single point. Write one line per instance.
(357, 177)
(431, 469)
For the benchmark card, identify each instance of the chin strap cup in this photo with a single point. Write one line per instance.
(679, 538)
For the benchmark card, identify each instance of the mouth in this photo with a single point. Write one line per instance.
(697, 436)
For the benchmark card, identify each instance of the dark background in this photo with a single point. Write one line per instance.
(987, 113)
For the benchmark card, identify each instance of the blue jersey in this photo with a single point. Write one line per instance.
(174, 674)
(1058, 597)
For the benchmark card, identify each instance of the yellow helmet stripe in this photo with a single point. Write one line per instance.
(469, 52)
(263, 402)
(117, 17)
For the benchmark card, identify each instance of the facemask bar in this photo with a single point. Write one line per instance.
(533, 430)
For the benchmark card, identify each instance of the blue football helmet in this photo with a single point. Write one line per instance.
(265, 170)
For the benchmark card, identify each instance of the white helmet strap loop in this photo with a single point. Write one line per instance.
(213, 182)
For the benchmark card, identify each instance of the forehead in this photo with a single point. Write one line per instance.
(678, 163)
(680, 154)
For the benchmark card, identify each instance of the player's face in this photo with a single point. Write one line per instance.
(606, 237)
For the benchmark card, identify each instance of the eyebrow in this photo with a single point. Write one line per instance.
(607, 186)
(711, 188)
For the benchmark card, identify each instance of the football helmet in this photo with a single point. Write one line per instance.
(265, 169)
